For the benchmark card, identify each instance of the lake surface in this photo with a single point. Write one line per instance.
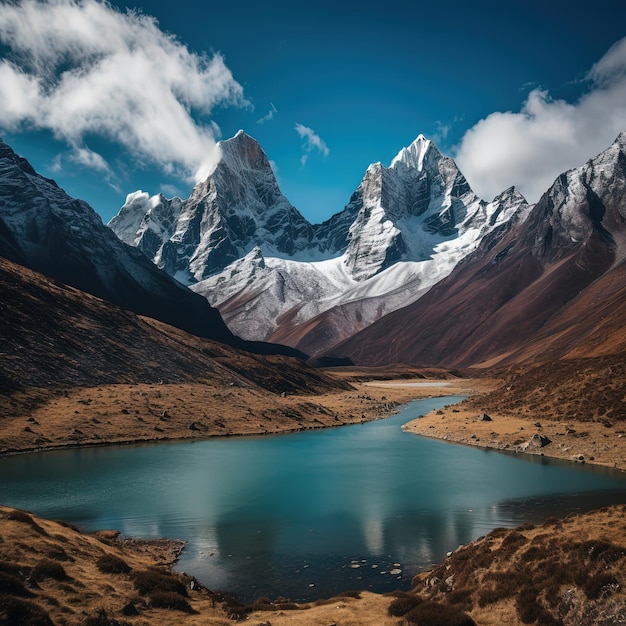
(309, 514)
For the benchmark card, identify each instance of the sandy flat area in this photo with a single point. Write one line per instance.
(432, 383)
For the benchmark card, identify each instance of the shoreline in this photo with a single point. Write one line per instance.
(576, 441)
(148, 414)
(80, 575)
(455, 423)
(123, 415)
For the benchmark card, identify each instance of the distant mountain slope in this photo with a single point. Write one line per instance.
(56, 337)
(271, 273)
(552, 285)
(45, 229)
(402, 283)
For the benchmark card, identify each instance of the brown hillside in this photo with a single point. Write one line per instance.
(482, 315)
(55, 336)
(50, 573)
(562, 573)
(76, 370)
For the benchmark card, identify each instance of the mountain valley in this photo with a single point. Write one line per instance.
(428, 289)
(68, 379)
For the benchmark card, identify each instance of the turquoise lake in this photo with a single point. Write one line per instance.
(308, 514)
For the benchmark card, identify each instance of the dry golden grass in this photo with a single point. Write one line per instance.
(108, 414)
(571, 439)
(579, 404)
(563, 573)
(34, 552)
(370, 609)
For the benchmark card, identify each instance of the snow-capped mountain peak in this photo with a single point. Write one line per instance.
(238, 207)
(242, 245)
(413, 156)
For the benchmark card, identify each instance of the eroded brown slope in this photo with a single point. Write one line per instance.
(504, 309)
(51, 573)
(76, 370)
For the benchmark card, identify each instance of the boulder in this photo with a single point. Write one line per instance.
(535, 442)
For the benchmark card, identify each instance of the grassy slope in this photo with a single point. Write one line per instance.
(563, 573)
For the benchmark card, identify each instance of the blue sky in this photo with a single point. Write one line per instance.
(108, 99)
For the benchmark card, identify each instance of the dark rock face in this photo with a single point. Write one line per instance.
(536, 442)
(65, 239)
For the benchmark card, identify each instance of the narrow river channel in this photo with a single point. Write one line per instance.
(309, 514)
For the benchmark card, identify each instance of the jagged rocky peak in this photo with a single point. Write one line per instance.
(583, 201)
(137, 215)
(403, 211)
(508, 205)
(65, 239)
(243, 152)
(237, 207)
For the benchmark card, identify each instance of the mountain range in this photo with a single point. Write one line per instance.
(550, 286)
(274, 276)
(416, 268)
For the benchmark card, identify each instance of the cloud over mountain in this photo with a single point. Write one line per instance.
(85, 70)
(530, 148)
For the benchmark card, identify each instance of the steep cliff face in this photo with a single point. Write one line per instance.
(541, 287)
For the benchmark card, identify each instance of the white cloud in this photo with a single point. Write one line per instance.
(267, 117)
(312, 141)
(612, 66)
(531, 148)
(18, 95)
(81, 67)
(90, 159)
